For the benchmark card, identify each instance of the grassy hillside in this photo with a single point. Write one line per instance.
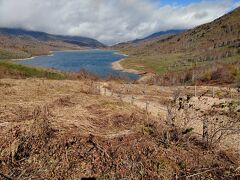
(214, 43)
(10, 69)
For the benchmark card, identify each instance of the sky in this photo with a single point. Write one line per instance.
(110, 21)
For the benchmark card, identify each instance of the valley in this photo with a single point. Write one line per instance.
(169, 109)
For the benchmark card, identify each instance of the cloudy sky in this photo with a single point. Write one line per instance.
(110, 21)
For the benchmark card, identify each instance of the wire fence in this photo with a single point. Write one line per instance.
(149, 98)
(197, 91)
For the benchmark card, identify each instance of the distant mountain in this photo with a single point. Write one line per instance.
(20, 43)
(160, 34)
(42, 36)
(155, 36)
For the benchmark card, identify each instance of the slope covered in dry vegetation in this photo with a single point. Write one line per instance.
(70, 129)
(214, 46)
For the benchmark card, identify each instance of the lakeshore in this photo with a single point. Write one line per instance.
(117, 66)
(97, 62)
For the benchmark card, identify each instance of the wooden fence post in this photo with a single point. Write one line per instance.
(105, 91)
(193, 75)
(205, 130)
(169, 125)
(132, 102)
(123, 89)
(120, 96)
(195, 91)
(99, 89)
(144, 91)
(155, 81)
(158, 114)
(147, 104)
(238, 92)
(129, 87)
(169, 116)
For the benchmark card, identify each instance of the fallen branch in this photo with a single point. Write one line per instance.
(196, 174)
(5, 176)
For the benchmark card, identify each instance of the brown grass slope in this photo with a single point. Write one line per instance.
(64, 129)
(217, 42)
(222, 33)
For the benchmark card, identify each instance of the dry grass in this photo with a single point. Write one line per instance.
(63, 129)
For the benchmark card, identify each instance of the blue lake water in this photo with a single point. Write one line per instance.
(97, 62)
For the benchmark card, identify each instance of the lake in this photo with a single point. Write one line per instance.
(97, 62)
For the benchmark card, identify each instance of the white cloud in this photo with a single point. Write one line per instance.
(109, 21)
(236, 4)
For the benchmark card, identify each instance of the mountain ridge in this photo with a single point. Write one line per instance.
(160, 34)
(19, 43)
(43, 36)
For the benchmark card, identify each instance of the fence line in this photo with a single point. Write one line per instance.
(196, 91)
